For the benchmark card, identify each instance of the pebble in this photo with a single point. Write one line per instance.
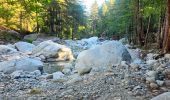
(167, 82)
(150, 79)
(151, 73)
(135, 67)
(160, 83)
(154, 86)
(93, 85)
(58, 75)
(167, 56)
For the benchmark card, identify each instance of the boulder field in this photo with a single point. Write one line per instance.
(89, 69)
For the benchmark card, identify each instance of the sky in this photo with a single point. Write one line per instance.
(88, 3)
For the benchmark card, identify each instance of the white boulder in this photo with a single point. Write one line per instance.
(24, 46)
(164, 96)
(105, 55)
(50, 49)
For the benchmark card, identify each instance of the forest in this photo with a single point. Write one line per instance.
(85, 49)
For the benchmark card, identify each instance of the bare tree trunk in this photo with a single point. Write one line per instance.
(163, 33)
(135, 35)
(159, 27)
(167, 32)
(147, 33)
(139, 23)
(51, 20)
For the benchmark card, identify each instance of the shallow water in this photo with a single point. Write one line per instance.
(52, 67)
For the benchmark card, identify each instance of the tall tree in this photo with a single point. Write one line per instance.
(59, 17)
(94, 16)
(167, 32)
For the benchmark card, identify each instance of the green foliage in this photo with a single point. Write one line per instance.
(117, 17)
(29, 40)
(47, 16)
(8, 36)
(67, 19)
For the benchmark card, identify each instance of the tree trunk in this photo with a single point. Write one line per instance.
(135, 35)
(163, 29)
(147, 33)
(159, 35)
(167, 32)
(21, 22)
(51, 20)
(139, 24)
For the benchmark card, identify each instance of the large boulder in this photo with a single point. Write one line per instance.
(50, 49)
(28, 64)
(102, 56)
(6, 50)
(31, 37)
(24, 46)
(164, 96)
(90, 41)
(7, 66)
(25, 64)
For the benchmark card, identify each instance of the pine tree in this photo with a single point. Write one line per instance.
(94, 16)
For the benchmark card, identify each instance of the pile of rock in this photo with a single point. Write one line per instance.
(81, 45)
(28, 57)
(24, 62)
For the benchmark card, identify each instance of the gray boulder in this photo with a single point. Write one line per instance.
(6, 50)
(28, 64)
(24, 46)
(105, 55)
(31, 37)
(7, 66)
(25, 64)
(53, 50)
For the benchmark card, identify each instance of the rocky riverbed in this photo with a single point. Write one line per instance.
(87, 69)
